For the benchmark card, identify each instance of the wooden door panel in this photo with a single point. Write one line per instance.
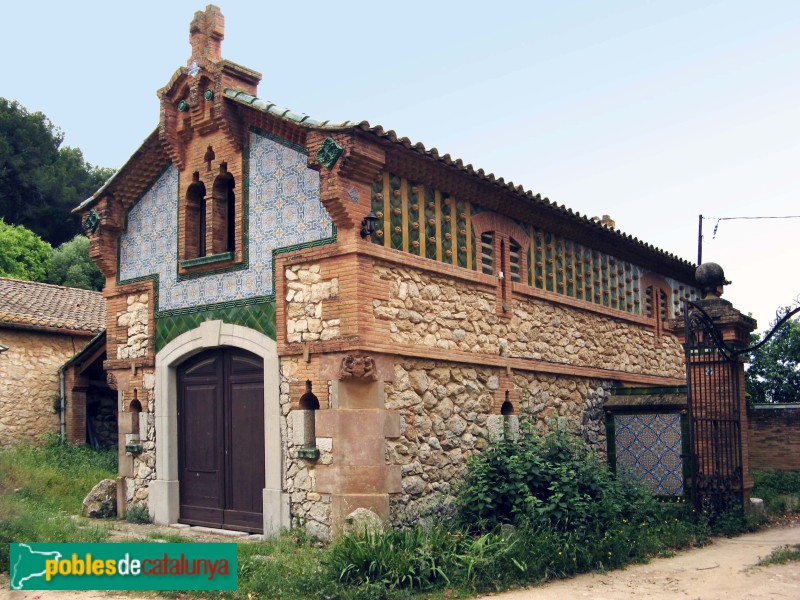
(201, 456)
(199, 444)
(221, 440)
(245, 480)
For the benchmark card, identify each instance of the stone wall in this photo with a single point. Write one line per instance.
(29, 385)
(306, 291)
(101, 412)
(438, 312)
(448, 411)
(309, 509)
(135, 320)
(143, 469)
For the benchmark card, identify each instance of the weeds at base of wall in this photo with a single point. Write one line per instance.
(37, 500)
(442, 559)
(138, 513)
(780, 490)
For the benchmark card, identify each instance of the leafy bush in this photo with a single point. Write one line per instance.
(71, 266)
(531, 509)
(553, 479)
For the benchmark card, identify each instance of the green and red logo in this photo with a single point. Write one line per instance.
(123, 567)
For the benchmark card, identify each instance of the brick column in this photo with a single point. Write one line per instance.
(714, 377)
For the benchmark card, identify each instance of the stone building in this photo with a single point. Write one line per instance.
(42, 327)
(308, 317)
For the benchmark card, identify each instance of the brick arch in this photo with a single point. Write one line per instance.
(483, 222)
(655, 280)
(504, 228)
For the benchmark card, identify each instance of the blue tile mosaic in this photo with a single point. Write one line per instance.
(648, 448)
(283, 210)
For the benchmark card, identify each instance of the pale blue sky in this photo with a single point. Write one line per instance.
(652, 112)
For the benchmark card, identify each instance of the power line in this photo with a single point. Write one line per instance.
(739, 218)
(716, 227)
(719, 219)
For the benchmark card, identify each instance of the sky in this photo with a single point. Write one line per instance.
(651, 112)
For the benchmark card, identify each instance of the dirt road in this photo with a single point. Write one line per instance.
(724, 570)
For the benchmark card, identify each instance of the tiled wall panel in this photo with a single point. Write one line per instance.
(283, 209)
(648, 448)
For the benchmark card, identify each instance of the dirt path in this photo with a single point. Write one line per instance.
(724, 570)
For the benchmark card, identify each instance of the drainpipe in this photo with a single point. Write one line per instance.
(62, 403)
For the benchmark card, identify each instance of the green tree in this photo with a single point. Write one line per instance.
(23, 254)
(71, 266)
(41, 182)
(774, 372)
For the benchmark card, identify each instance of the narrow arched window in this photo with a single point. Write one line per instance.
(308, 405)
(515, 261)
(657, 308)
(224, 211)
(195, 228)
(487, 251)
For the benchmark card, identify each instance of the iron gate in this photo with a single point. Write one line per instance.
(713, 391)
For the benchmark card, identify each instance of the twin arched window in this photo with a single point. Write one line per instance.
(223, 216)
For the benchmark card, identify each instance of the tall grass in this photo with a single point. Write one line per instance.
(42, 485)
(780, 490)
(530, 509)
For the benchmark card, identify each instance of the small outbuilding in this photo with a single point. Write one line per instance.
(42, 329)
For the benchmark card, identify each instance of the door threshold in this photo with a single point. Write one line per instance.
(216, 531)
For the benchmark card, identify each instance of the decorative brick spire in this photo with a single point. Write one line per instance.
(206, 33)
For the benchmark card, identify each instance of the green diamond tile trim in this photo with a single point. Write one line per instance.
(92, 221)
(256, 313)
(329, 152)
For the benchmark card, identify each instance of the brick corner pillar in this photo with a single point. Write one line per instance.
(359, 424)
(714, 376)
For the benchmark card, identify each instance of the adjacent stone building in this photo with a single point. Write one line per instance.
(41, 328)
(306, 317)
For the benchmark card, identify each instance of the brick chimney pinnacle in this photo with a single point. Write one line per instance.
(206, 32)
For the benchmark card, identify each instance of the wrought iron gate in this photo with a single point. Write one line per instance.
(714, 403)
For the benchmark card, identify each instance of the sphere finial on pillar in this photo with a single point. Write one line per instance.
(711, 279)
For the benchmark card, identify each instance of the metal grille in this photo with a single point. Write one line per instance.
(713, 389)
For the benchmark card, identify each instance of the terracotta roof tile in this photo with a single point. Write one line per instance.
(41, 305)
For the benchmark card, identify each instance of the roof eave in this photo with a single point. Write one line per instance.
(117, 174)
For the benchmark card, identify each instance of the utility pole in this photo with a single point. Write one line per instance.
(700, 240)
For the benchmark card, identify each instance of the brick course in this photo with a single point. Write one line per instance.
(774, 437)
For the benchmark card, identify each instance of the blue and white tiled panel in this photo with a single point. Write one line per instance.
(284, 210)
(648, 448)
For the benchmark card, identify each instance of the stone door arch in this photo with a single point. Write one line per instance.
(164, 494)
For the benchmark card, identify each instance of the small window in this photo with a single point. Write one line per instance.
(487, 249)
(195, 241)
(224, 210)
(514, 254)
(308, 405)
(656, 308)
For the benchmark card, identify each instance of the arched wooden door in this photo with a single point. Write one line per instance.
(221, 439)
